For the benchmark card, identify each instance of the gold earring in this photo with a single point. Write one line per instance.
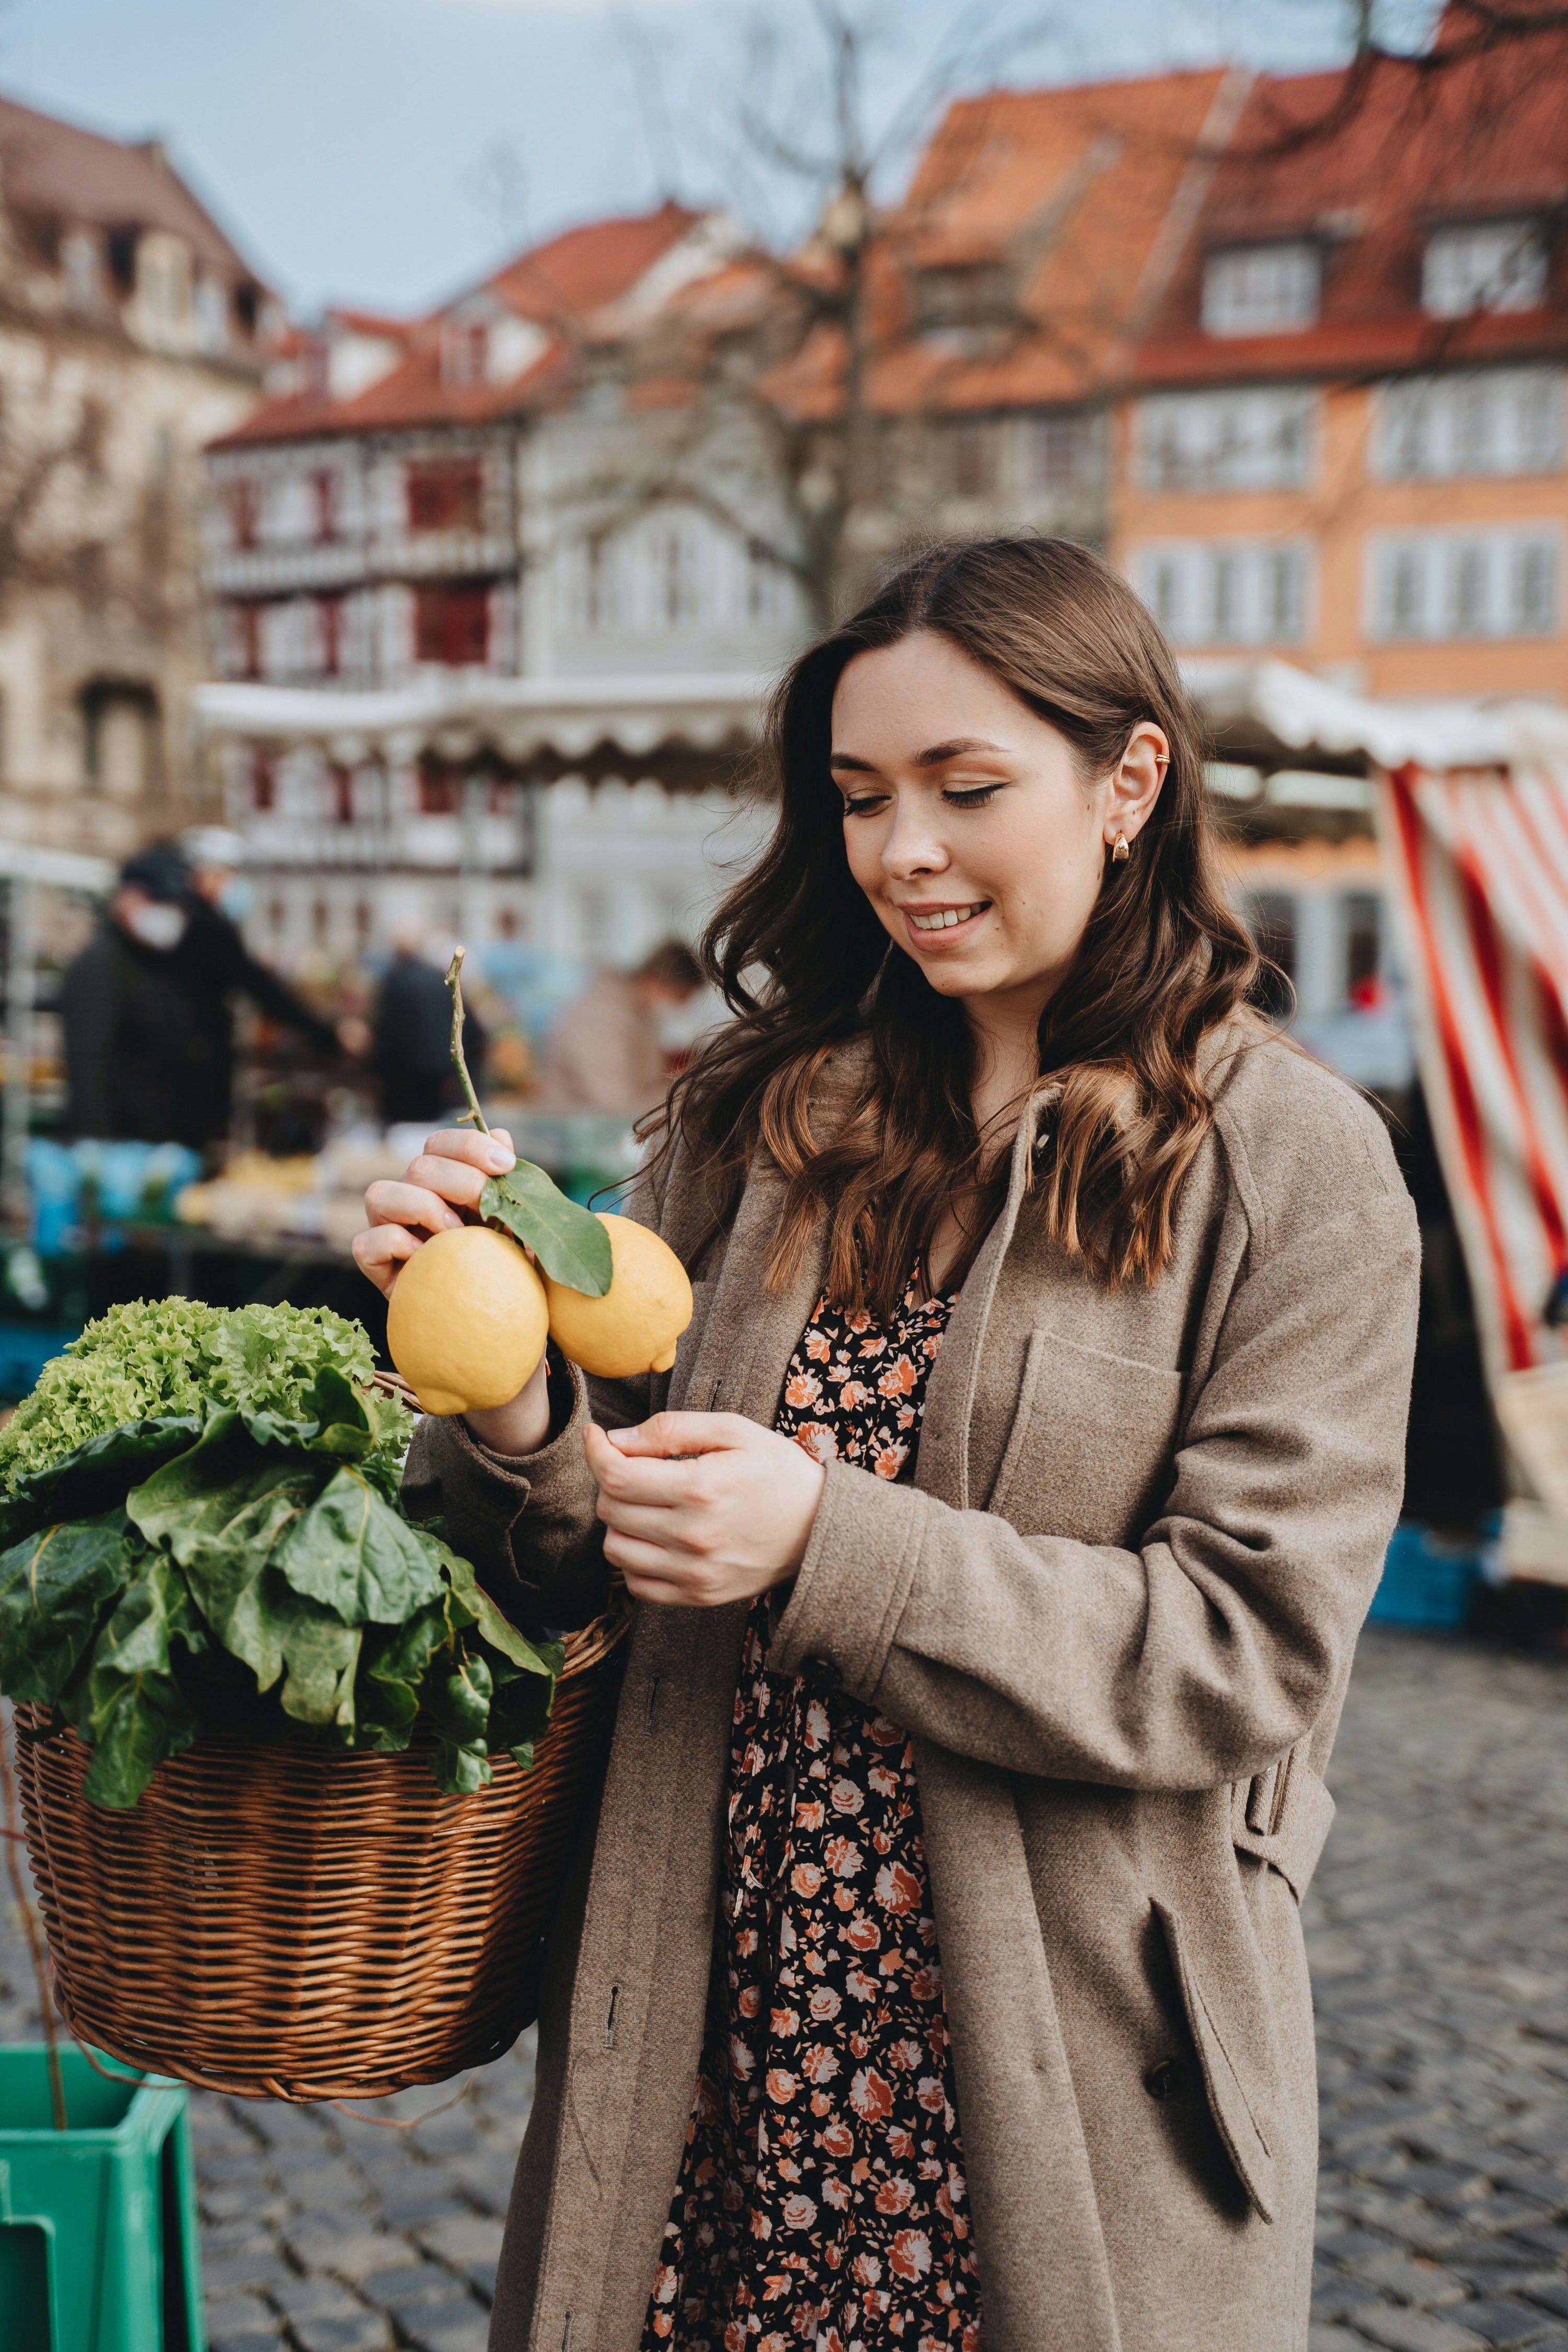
(1120, 853)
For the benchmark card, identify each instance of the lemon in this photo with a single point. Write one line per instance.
(467, 1321)
(634, 1327)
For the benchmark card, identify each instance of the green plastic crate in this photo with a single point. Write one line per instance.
(98, 2224)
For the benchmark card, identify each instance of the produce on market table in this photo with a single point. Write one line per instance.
(204, 1533)
(634, 1326)
(618, 1295)
(467, 1321)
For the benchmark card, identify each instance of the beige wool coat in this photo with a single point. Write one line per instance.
(1117, 1611)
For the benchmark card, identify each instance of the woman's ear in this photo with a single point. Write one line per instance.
(1135, 781)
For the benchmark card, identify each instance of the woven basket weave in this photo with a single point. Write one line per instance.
(289, 1923)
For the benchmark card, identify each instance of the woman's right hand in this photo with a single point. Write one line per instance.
(448, 1177)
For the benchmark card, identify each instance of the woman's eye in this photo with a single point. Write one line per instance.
(972, 797)
(864, 802)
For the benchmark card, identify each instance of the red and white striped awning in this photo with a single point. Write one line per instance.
(1478, 861)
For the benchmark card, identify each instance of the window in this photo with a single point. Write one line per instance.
(1226, 592)
(1262, 289)
(964, 295)
(591, 599)
(446, 494)
(245, 640)
(263, 780)
(81, 269)
(1436, 585)
(1062, 449)
(211, 306)
(465, 351)
(971, 457)
(244, 512)
(1486, 266)
(451, 622)
(1226, 440)
(1480, 421)
(326, 488)
(339, 793)
(329, 628)
(768, 594)
(440, 788)
(674, 577)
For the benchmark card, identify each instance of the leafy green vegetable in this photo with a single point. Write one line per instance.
(569, 1242)
(354, 1553)
(158, 1357)
(53, 1590)
(233, 1556)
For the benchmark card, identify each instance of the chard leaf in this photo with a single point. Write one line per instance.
(355, 1554)
(54, 1588)
(321, 1654)
(569, 1242)
(519, 1712)
(458, 1693)
(392, 1663)
(547, 1659)
(222, 1510)
(96, 1474)
(133, 1712)
(461, 1771)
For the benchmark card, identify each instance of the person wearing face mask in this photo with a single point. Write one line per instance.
(149, 1024)
(618, 1045)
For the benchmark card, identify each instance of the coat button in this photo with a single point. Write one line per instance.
(1168, 2080)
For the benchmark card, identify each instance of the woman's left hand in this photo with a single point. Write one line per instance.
(727, 1518)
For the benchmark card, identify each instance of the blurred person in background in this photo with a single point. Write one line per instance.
(411, 1038)
(148, 1012)
(618, 1046)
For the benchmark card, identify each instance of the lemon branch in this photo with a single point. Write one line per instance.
(455, 983)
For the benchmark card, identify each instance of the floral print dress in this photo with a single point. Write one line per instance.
(821, 2203)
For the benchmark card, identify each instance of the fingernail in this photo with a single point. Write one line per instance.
(617, 1436)
(501, 1158)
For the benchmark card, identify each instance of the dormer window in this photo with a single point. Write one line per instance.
(1262, 289)
(962, 298)
(211, 306)
(1484, 266)
(465, 351)
(81, 269)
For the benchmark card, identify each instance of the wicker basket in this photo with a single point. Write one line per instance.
(289, 1922)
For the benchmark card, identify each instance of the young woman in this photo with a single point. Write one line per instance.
(932, 1974)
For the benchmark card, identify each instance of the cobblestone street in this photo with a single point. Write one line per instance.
(1439, 1937)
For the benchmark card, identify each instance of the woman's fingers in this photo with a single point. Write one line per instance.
(391, 1203)
(380, 1252)
(492, 1153)
(687, 1432)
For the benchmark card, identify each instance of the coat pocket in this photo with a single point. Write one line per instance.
(1090, 1451)
(1238, 2107)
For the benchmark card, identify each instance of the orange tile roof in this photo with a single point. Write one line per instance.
(561, 285)
(1368, 161)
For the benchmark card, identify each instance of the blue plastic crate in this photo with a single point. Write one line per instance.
(1426, 1580)
(24, 1349)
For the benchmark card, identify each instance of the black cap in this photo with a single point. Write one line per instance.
(162, 873)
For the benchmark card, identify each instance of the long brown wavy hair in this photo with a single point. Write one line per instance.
(804, 961)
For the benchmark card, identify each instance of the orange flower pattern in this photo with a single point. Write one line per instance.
(820, 2202)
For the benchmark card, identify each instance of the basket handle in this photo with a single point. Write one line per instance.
(395, 2123)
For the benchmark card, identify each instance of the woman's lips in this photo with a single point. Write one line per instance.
(939, 927)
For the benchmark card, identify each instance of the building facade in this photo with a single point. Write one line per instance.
(130, 331)
(1344, 438)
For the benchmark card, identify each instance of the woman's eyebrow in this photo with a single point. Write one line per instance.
(933, 758)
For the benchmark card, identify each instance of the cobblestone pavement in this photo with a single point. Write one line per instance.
(1438, 1930)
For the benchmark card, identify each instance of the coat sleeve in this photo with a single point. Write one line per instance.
(1206, 1654)
(89, 1009)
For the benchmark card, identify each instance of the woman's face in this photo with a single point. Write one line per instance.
(968, 824)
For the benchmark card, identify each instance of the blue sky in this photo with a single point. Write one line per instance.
(384, 152)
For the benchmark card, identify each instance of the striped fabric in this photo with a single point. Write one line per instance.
(1478, 861)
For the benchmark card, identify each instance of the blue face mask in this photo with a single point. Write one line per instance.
(235, 899)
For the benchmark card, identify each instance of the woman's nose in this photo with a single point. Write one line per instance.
(911, 846)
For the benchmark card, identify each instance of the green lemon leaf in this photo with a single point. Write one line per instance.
(569, 1242)
(54, 1588)
(358, 1555)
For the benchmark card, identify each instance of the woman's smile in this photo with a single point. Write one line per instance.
(937, 928)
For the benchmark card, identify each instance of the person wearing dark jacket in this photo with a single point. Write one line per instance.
(148, 1010)
(411, 1039)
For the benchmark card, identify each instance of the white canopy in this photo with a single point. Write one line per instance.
(459, 713)
(1290, 710)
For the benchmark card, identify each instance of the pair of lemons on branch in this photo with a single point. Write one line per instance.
(471, 1310)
